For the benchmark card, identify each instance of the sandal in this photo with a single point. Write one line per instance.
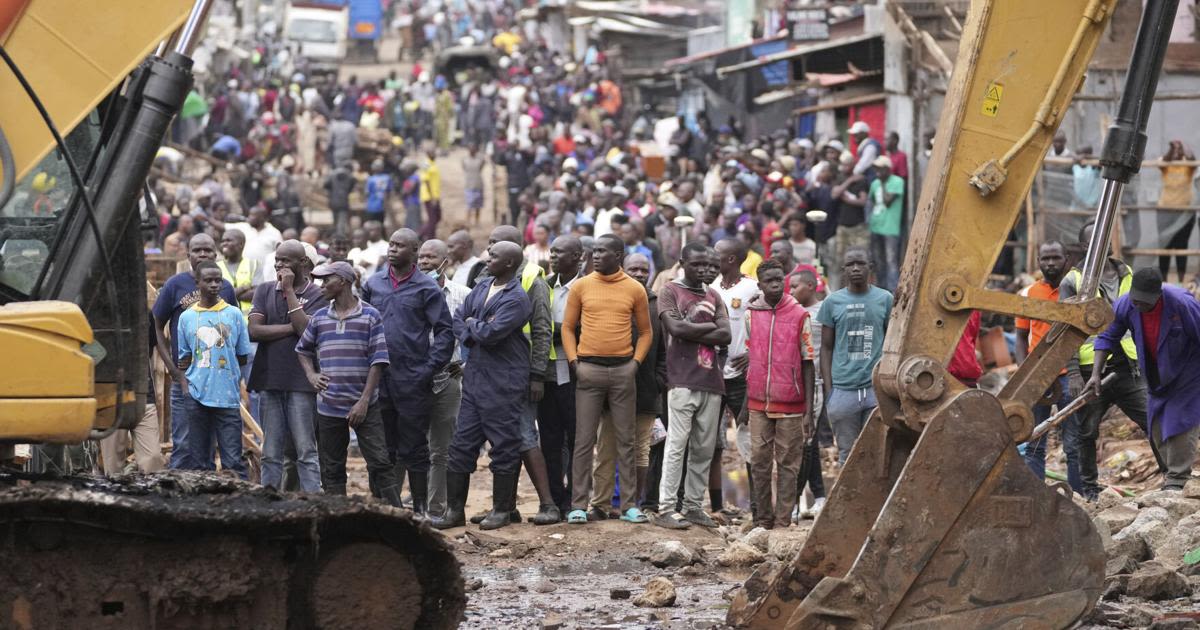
(577, 517)
(634, 515)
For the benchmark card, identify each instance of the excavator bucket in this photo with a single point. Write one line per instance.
(936, 521)
(958, 534)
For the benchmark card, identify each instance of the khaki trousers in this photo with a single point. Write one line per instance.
(596, 385)
(776, 446)
(147, 447)
(605, 469)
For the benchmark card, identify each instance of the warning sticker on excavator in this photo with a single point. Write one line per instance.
(991, 100)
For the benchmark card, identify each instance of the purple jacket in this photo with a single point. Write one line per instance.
(1175, 399)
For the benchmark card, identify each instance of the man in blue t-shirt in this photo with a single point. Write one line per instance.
(853, 323)
(379, 185)
(177, 295)
(213, 346)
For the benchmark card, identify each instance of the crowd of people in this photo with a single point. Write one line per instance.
(613, 329)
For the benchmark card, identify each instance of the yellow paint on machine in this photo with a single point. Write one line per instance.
(991, 99)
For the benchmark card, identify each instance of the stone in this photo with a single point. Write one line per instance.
(758, 538)
(1154, 582)
(501, 553)
(1114, 587)
(659, 593)
(1191, 490)
(1118, 517)
(552, 622)
(619, 593)
(670, 553)
(1173, 501)
(1120, 565)
(545, 586)
(783, 547)
(1174, 623)
(1153, 523)
(1133, 546)
(1183, 537)
(473, 584)
(740, 554)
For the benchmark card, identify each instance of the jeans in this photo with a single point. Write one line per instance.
(290, 417)
(694, 420)
(597, 384)
(1035, 452)
(181, 430)
(529, 431)
(442, 417)
(885, 250)
(335, 439)
(848, 411)
(556, 419)
(226, 423)
(1127, 391)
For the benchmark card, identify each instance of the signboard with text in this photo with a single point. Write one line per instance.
(806, 25)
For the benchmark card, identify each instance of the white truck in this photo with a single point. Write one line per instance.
(317, 31)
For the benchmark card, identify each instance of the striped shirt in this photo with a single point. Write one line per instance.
(345, 349)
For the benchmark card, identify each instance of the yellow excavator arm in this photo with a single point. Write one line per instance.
(936, 521)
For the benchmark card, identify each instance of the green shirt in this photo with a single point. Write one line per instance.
(885, 217)
(859, 321)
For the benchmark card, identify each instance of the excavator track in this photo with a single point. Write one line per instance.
(197, 551)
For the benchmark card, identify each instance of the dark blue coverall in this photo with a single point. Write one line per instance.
(495, 377)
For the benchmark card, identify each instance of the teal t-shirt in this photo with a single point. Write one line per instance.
(885, 217)
(859, 321)
(215, 338)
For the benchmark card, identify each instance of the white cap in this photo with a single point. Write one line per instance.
(860, 127)
(620, 191)
(806, 143)
(882, 161)
(760, 154)
(570, 163)
(836, 144)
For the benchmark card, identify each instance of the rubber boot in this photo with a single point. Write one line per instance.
(456, 501)
(418, 485)
(391, 496)
(503, 487)
(535, 465)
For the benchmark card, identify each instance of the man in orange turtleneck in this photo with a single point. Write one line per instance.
(605, 362)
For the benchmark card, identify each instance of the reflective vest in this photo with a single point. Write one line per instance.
(529, 275)
(1087, 352)
(243, 278)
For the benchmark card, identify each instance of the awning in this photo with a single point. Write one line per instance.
(631, 25)
(683, 61)
(800, 51)
(660, 9)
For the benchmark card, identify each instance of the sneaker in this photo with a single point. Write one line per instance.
(671, 520)
(701, 518)
(815, 509)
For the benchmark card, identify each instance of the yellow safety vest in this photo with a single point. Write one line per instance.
(529, 275)
(1087, 352)
(243, 278)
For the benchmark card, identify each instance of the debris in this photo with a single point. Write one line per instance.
(1152, 523)
(545, 586)
(1181, 540)
(557, 536)
(670, 553)
(1174, 623)
(1192, 489)
(758, 538)
(740, 554)
(1176, 505)
(1114, 586)
(619, 593)
(487, 541)
(1120, 565)
(659, 593)
(1154, 581)
(1118, 517)
(552, 622)
(501, 553)
(1132, 545)
(473, 584)
(782, 546)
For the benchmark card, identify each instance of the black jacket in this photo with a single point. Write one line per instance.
(653, 370)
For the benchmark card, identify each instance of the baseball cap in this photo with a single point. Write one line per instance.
(341, 269)
(1146, 286)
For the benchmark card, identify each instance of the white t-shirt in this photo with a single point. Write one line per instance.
(737, 302)
(367, 259)
(259, 243)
